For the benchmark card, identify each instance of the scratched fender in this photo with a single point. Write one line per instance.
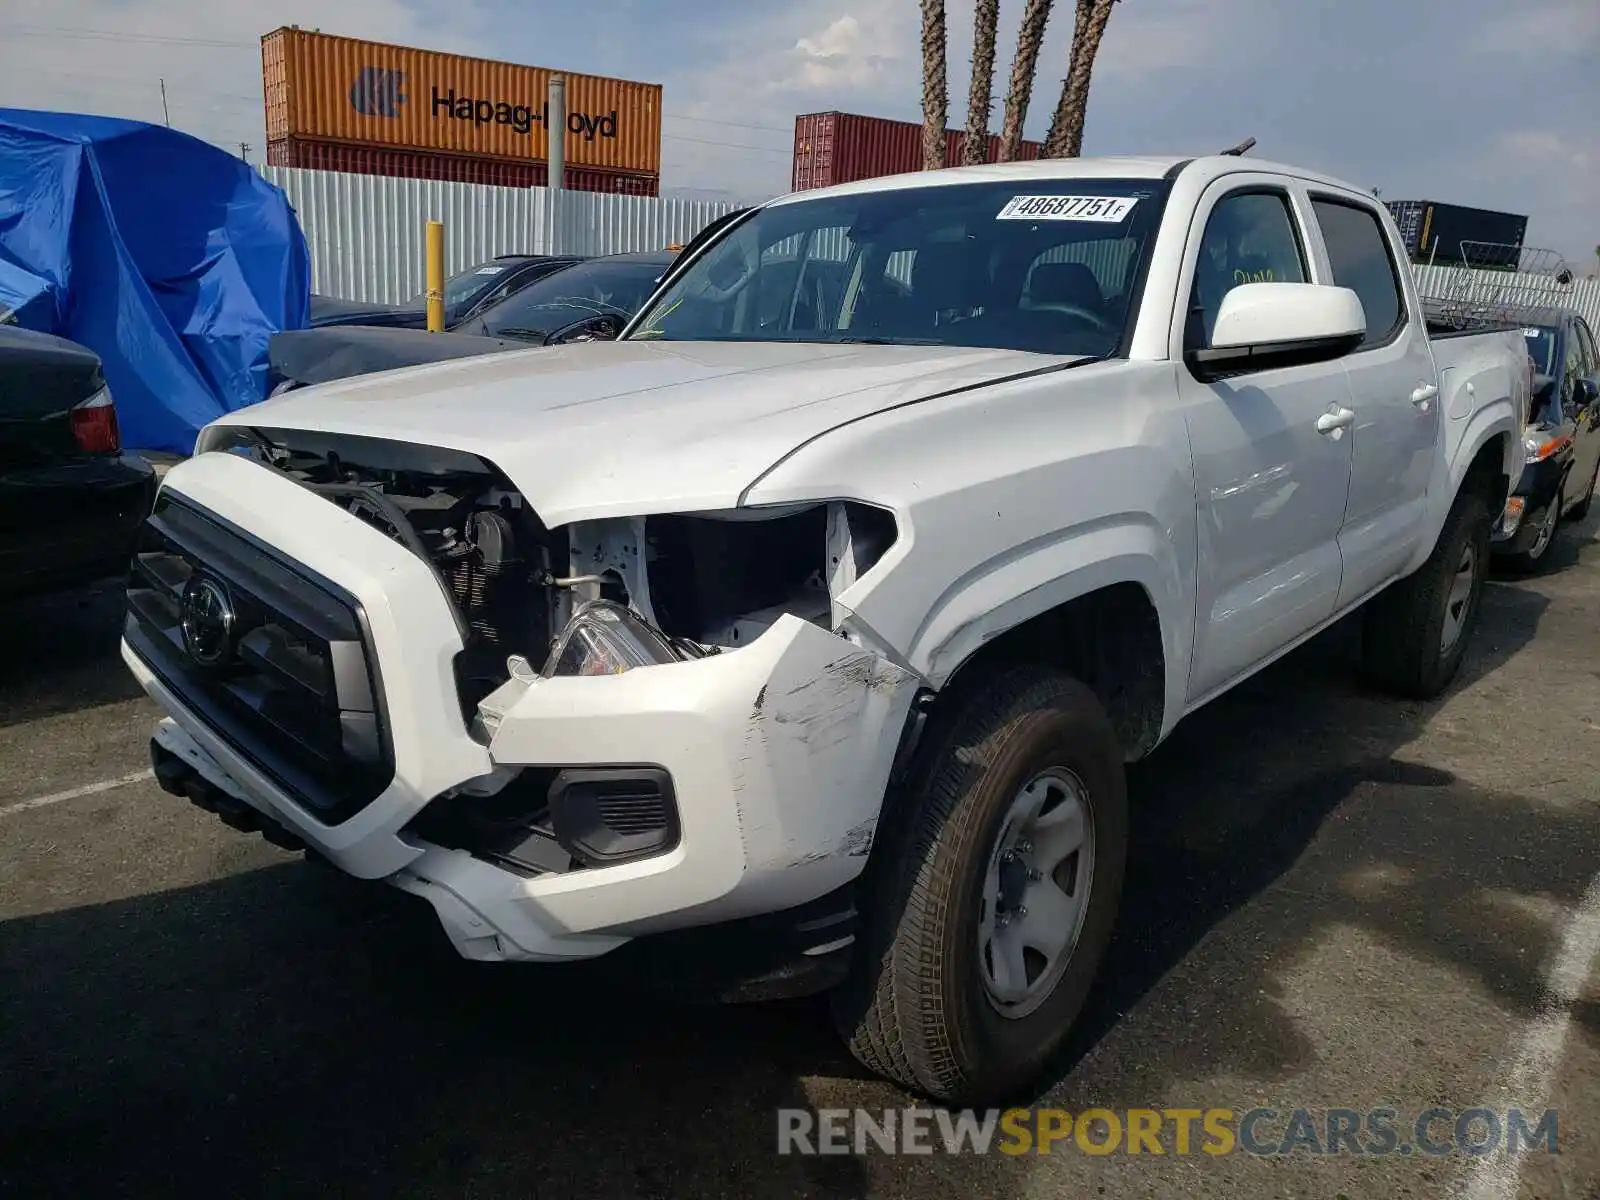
(779, 753)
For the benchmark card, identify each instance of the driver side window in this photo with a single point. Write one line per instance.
(1250, 237)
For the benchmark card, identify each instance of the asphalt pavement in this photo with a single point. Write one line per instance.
(1334, 900)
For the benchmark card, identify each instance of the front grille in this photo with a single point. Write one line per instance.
(287, 683)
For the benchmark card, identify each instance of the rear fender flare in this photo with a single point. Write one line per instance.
(1489, 422)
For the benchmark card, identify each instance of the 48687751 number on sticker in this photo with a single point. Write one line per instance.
(1108, 209)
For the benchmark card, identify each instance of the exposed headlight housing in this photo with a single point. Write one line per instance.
(604, 638)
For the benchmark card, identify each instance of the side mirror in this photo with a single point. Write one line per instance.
(1585, 394)
(1264, 325)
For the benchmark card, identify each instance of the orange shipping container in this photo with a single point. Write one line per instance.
(370, 93)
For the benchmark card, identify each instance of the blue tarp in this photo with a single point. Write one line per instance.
(170, 258)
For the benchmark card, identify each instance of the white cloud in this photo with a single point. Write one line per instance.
(842, 55)
(1544, 29)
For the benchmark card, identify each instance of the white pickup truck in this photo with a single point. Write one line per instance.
(805, 629)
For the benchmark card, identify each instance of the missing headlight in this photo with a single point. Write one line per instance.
(723, 578)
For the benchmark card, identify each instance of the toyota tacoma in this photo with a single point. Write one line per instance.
(816, 616)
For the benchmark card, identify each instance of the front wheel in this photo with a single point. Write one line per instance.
(1531, 559)
(1415, 632)
(993, 892)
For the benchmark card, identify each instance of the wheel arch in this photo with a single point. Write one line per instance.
(1103, 604)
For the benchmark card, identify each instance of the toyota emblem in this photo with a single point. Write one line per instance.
(207, 621)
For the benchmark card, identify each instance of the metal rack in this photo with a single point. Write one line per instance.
(1534, 281)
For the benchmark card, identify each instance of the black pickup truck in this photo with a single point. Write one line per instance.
(71, 500)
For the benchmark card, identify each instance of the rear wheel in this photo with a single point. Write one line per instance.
(1415, 632)
(989, 907)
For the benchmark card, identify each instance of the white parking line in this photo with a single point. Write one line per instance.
(1538, 1057)
(88, 789)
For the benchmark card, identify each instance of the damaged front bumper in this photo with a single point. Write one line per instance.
(777, 754)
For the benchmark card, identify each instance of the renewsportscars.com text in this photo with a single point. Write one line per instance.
(1265, 1132)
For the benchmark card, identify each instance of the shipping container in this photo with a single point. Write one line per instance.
(836, 147)
(1453, 235)
(338, 89)
(400, 163)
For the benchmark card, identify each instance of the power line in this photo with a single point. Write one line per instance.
(734, 124)
(73, 33)
(678, 137)
(179, 87)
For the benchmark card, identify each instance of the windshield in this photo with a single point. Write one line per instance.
(1039, 265)
(463, 290)
(1541, 340)
(591, 289)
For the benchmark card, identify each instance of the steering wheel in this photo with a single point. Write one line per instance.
(711, 291)
(1086, 315)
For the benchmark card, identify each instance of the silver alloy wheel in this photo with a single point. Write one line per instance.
(1036, 892)
(1455, 608)
(1547, 530)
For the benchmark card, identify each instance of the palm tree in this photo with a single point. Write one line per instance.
(1023, 68)
(985, 19)
(1065, 139)
(935, 90)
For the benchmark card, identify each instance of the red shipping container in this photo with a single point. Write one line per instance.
(401, 163)
(836, 147)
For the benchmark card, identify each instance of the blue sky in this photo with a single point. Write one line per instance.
(1465, 101)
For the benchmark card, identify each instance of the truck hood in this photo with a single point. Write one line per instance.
(610, 429)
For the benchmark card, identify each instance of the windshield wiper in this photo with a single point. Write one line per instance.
(515, 331)
(883, 341)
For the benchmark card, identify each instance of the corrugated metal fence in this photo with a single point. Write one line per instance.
(1458, 283)
(365, 231)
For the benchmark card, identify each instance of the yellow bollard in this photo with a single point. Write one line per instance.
(435, 276)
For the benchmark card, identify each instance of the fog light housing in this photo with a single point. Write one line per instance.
(607, 815)
(1511, 518)
(604, 638)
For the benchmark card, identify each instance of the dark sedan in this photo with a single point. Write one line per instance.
(70, 499)
(1562, 441)
(589, 300)
(465, 294)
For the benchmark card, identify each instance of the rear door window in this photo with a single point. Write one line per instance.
(1359, 255)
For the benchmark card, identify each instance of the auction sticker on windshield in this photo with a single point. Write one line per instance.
(1108, 209)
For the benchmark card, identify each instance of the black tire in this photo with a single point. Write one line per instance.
(1403, 630)
(1538, 552)
(914, 1008)
(1580, 510)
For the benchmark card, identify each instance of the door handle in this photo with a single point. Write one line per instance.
(1424, 393)
(1334, 422)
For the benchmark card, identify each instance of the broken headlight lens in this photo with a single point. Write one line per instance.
(604, 638)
